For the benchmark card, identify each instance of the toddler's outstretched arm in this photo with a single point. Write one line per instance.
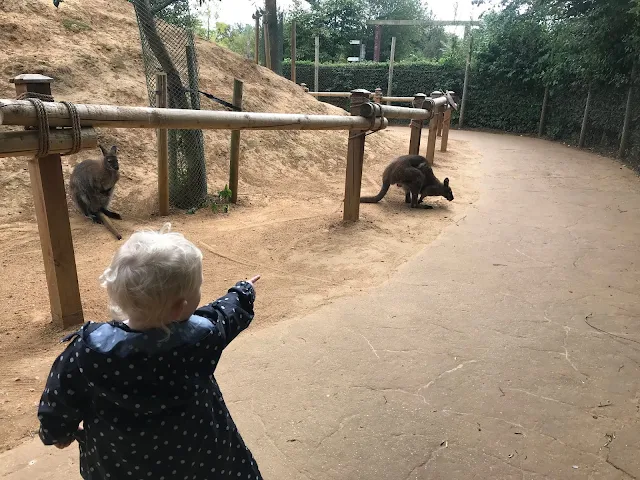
(232, 313)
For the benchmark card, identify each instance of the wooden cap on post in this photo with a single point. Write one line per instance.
(418, 100)
(377, 95)
(32, 82)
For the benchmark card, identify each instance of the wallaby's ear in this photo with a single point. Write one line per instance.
(446, 182)
(102, 149)
(114, 150)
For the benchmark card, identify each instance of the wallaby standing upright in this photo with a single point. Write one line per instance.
(413, 173)
(92, 183)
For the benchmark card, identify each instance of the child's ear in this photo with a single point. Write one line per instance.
(177, 309)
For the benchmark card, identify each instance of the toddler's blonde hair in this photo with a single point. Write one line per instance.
(151, 271)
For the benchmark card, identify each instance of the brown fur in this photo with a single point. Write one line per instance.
(92, 183)
(413, 173)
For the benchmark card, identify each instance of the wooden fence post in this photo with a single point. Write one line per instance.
(445, 129)
(416, 126)
(392, 58)
(543, 112)
(256, 40)
(293, 51)
(624, 137)
(316, 65)
(585, 119)
(234, 150)
(377, 95)
(465, 87)
(355, 159)
(162, 101)
(49, 198)
(266, 33)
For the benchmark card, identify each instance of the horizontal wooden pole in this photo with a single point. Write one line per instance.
(331, 94)
(24, 143)
(21, 112)
(348, 94)
(440, 23)
(370, 109)
(398, 99)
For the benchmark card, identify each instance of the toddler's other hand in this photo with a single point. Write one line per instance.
(254, 280)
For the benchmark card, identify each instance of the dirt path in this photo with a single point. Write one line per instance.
(291, 233)
(507, 349)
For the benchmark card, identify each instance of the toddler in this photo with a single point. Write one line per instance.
(142, 385)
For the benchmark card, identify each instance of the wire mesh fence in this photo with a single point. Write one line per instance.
(168, 46)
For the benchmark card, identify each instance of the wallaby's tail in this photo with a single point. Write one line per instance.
(377, 198)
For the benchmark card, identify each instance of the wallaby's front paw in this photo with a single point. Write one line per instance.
(95, 219)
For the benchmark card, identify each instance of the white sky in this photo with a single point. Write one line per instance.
(240, 11)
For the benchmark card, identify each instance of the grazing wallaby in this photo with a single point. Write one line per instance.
(413, 173)
(92, 183)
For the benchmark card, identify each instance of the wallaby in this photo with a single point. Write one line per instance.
(92, 183)
(413, 173)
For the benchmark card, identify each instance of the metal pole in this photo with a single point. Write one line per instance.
(317, 65)
(465, 88)
(391, 60)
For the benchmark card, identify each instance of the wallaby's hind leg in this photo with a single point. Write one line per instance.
(111, 214)
(407, 197)
(95, 218)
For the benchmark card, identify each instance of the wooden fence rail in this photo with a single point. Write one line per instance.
(48, 183)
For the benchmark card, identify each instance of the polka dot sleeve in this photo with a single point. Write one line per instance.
(64, 396)
(232, 313)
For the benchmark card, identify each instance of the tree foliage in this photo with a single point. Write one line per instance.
(336, 22)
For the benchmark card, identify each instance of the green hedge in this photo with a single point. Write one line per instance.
(408, 78)
(494, 103)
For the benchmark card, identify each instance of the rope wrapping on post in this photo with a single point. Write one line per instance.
(44, 142)
(43, 122)
(75, 127)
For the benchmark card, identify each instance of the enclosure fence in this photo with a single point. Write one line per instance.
(168, 47)
(57, 128)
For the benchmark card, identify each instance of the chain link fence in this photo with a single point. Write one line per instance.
(168, 46)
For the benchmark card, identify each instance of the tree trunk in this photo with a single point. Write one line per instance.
(271, 19)
(148, 26)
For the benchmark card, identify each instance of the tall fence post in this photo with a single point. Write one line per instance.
(377, 40)
(316, 65)
(465, 87)
(52, 214)
(624, 137)
(392, 58)
(416, 126)
(162, 101)
(585, 119)
(234, 150)
(445, 129)
(543, 112)
(256, 40)
(293, 51)
(355, 159)
(266, 33)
